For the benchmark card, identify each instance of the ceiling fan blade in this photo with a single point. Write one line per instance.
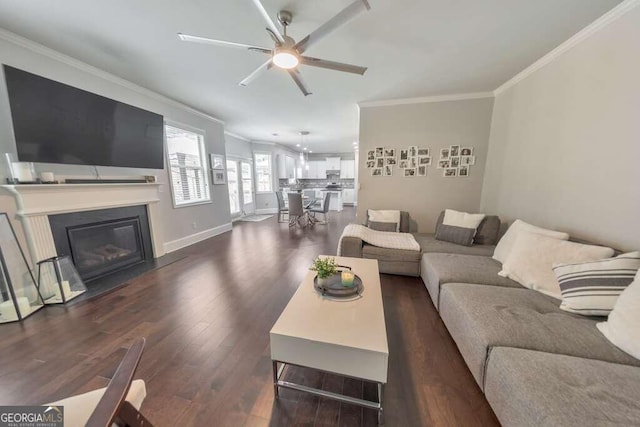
(204, 40)
(297, 77)
(261, 69)
(270, 24)
(331, 65)
(340, 19)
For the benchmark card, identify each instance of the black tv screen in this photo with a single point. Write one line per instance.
(57, 123)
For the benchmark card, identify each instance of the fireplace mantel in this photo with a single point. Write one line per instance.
(35, 202)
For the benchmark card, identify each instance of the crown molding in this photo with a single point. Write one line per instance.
(426, 99)
(235, 135)
(83, 66)
(576, 39)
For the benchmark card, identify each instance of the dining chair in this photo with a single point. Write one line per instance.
(323, 209)
(282, 206)
(297, 214)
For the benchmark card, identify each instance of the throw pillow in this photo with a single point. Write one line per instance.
(462, 219)
(592, 288)
(382, 226)
(533, 256)
(458, 227)
(457, 235)
(622, 327)
(388, 216)
(508, 240)
(487, 233)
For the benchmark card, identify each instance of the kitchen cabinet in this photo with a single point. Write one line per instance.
(316, 170)
(348, 196)
(286, 167)
(321, 169)
(333, 163)
(290, 166)
(347, 169)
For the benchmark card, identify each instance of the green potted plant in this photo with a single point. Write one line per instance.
(325, 267)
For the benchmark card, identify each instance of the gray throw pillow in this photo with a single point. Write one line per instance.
(487, 233)
(382, 226)
(457, 235)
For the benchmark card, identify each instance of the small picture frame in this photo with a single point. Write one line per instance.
(217, 161)
(404, 164)
(455, 161)
(422, 171)
(410, 172)
(413, 162)
(371, 164)
(444, 154)
(463, 171)
(450, 172)
(388, 170)
(466, 151)
(423, 151)
(376, 172)
(380, 162)
(404, 154)
(390, 161)
(444, 164)
(413, 151)
(454, 151)
(472, 160)
(465, 160)
(219, 177)
(424, 160)
(379, 152)
(371, 154)
(389, 152)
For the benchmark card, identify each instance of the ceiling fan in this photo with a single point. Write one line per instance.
(287, 53)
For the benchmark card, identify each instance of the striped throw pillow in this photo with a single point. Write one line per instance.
(592, 288)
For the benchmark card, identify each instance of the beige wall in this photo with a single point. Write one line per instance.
(434, 125)
(565, 142)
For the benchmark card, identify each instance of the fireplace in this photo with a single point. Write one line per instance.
(102, 242)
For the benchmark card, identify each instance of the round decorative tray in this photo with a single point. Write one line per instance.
(334, 287)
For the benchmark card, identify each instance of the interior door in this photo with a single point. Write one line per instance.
(233, 182)
(246, 173)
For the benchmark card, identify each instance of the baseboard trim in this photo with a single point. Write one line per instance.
(183, 242)
(266, 211)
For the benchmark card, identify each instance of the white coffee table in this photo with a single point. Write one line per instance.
(342, 337)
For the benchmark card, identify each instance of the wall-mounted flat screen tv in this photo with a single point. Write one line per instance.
(57, 123)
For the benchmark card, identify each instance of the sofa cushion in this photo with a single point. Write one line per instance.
(428, 243)
(437, 269)
(592, 288)
(487, 233)
(457, 235)
(533, 256)
(505, 245)
(386, 254)
(382, 226)
(531, 388)
(481, 317)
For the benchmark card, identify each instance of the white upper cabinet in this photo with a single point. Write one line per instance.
(347, 169)
(333, 163)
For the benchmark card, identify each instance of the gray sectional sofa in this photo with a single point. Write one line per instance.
(537, 365)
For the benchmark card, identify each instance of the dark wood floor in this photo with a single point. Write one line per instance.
(207, 320)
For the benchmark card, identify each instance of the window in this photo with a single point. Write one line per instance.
(187, 164)
(264, 179)
(247, 183)
(234, 188)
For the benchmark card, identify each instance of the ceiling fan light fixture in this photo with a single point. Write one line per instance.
(285, 58)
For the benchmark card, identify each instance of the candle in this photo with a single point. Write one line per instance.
(347, 278)
(66, 290)
(8, 311)
(47, 176)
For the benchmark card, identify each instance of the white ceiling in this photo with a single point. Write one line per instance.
(413, 48)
